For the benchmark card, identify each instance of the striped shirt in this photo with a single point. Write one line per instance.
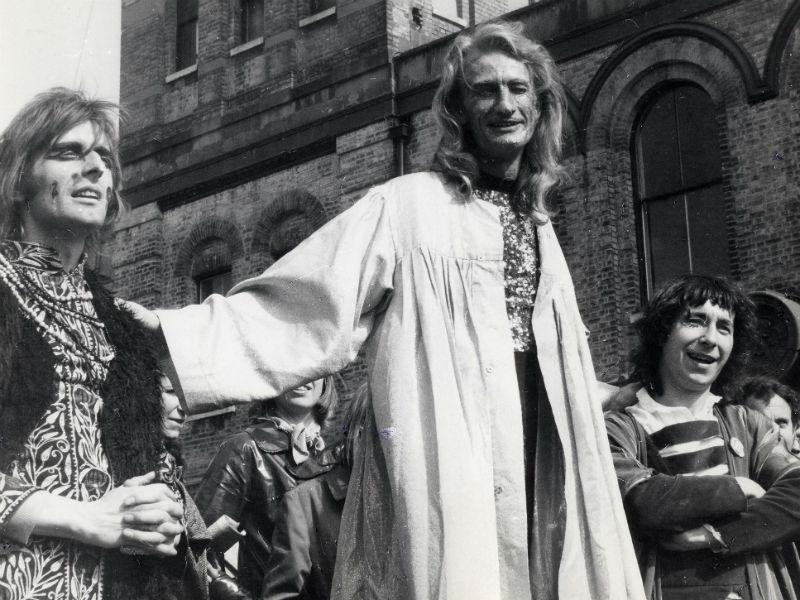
(688, 440)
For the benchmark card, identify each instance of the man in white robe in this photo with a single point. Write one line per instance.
(414, 273)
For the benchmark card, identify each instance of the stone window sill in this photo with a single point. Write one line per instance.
(211, 413)
(254, 43)
(323, 14)
(182, 73)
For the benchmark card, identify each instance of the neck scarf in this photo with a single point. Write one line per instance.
(305, 439)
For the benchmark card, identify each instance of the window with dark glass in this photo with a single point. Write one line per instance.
(211, 268)
(186, 36)
(678, 187)
(251, 20)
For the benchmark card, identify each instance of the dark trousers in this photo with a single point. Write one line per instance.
(544, 459)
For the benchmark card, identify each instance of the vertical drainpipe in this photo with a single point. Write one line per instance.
(399, 127)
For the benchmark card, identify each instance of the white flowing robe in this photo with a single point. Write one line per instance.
(437, 509)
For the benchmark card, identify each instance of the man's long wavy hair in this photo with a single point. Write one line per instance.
(32, 133)
(670, 304)
(540, 169)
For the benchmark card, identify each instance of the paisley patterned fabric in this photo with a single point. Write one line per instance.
(522, 266)
(63, 454)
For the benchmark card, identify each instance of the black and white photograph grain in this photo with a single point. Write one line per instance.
(400, 300)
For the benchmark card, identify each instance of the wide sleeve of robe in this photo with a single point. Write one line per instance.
(304, 317)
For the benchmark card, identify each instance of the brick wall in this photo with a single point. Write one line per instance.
(596, 214)
(150, 250)
(594, 211)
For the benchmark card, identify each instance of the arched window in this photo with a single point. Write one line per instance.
(678, 187)
(211, 268)
(288, 230)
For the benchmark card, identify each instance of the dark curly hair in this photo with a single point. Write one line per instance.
(670, 303)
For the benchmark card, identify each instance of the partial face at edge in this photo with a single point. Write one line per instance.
(697, 349)
(68, 188)
(301, 400)
(780, 413)
(500, 107)
(173, 417)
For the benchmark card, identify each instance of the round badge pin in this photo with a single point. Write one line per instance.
(737, 447)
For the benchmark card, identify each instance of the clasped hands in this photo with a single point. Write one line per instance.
(140, 516)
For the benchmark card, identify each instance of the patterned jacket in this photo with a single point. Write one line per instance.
(130, 432)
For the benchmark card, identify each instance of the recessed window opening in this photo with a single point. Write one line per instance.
(678, 187)
(251, 20)
(211, 268)
(186, 35)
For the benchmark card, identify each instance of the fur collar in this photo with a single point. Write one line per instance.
(130, 425)
(131, 418)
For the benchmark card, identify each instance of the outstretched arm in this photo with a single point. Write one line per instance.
(305, 317)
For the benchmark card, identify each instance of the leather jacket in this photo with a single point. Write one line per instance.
(246, 481)
(305, 539)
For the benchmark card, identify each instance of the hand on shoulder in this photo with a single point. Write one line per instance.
(618, 398)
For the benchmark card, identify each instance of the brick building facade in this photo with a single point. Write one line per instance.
(284, 121)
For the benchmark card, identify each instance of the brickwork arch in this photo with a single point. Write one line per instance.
(616, 119)
(572, 120)
(665, 61)
(610, 131)
(781, 68)
(300, 206)
(205, 230)
(683, 45)
(601, 199)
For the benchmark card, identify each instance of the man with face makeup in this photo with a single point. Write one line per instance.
(486, 473)
(86, 510)
(710, 489)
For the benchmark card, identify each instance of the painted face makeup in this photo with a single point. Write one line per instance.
(68, 188)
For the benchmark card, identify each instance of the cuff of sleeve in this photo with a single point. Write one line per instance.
(718, 545)
(17, 529)
(189, 376)
(633, 481)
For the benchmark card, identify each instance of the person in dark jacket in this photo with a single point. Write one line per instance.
(87, 507)
(254, 469)
(710, 491)
(306, 532)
